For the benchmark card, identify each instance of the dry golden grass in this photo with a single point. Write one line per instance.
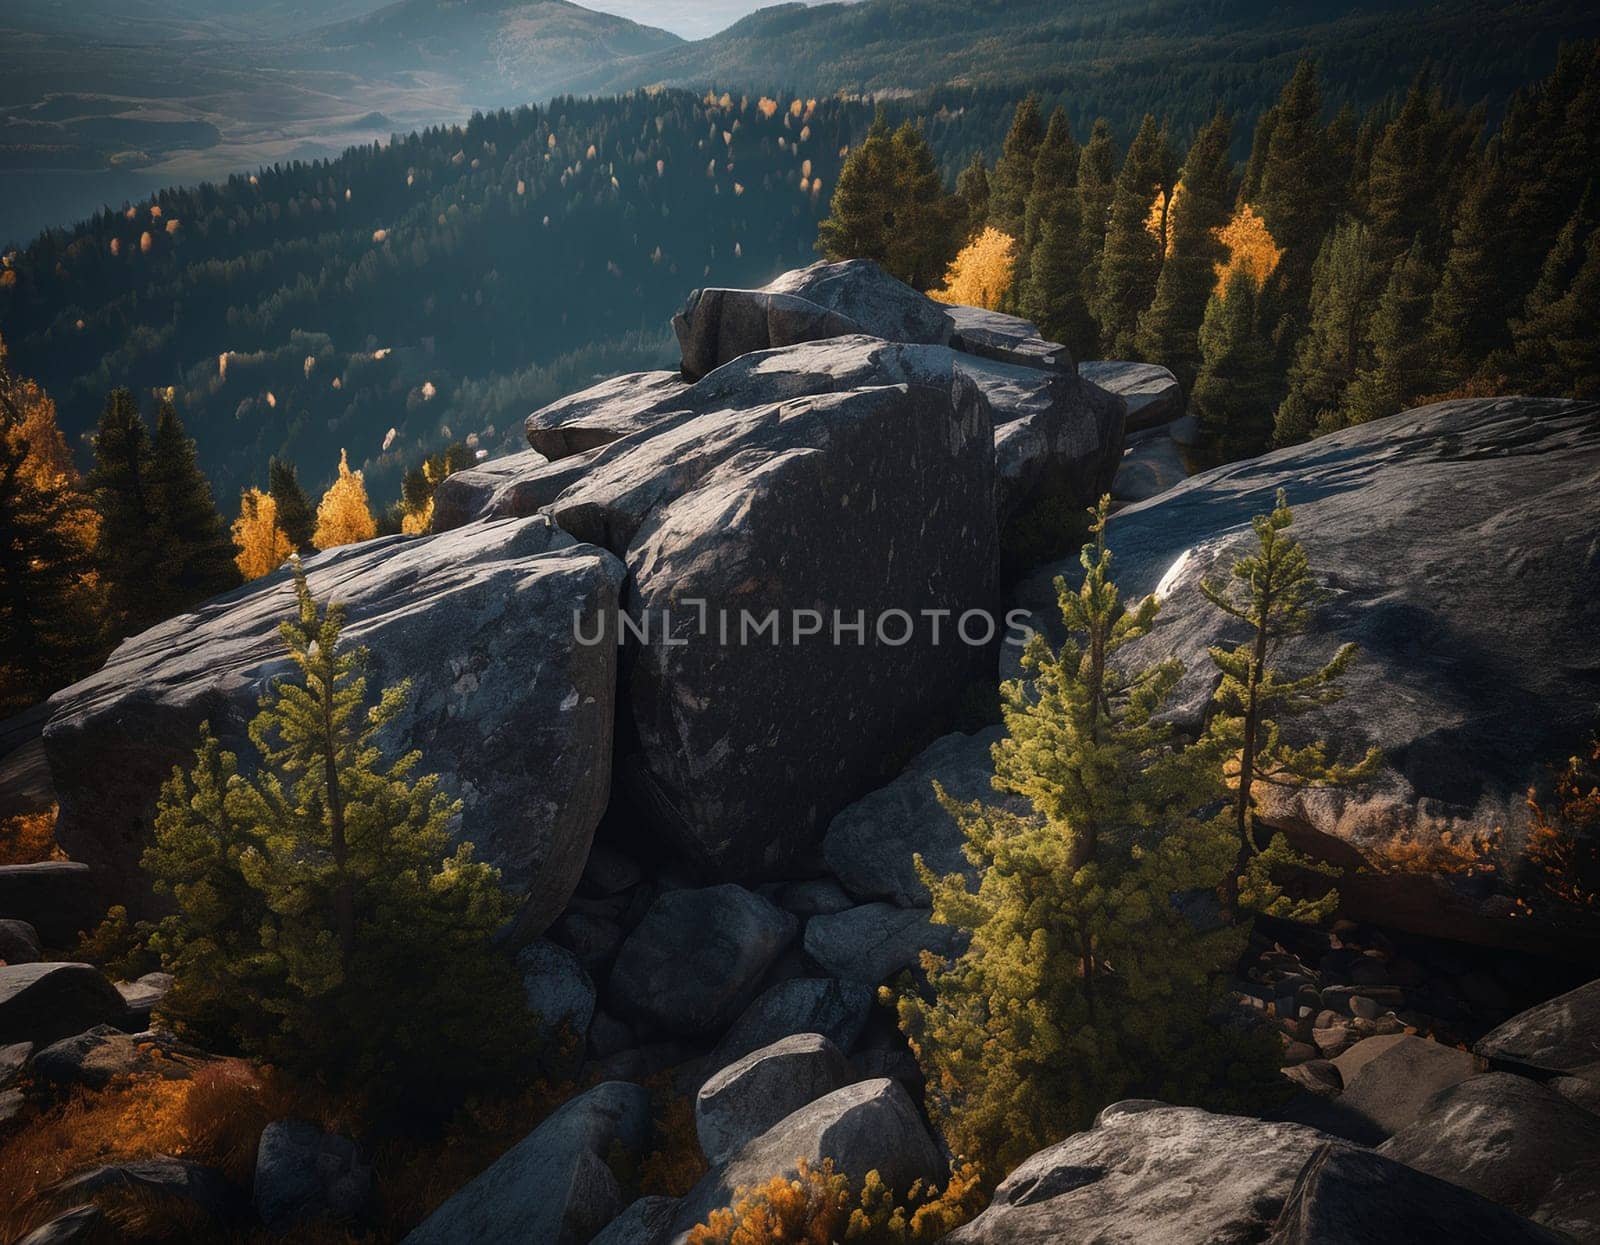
(28, 838)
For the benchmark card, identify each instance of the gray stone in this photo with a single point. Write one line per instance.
(12, 1102)
(870, 844)
(1515, 1142)
(697, 958)
(875, 942)
(42, 1003)
(838, 1010)
(142, 996)
(1346, 1196)
(102, 1054)
(558, 989)
(304, 1173)
(506, 706)
(1559, 1037)
(645, 1222)
(1150, 391)
(554, 1184)
(13, 1058)
(869, 1126)
(814, 897)
(1391, 1089)
(1147, 1172)
(160, 1176)
(602, 413)
(752, 1094)
(78, 1226)
(593, 939)
(1150, 466)
(1468, 497)
(57, 897)
(1316, 1076)
(19, 942)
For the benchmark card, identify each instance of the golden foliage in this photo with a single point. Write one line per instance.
(261, 542)
(28, 838)
(1251, 249)
(981, 274)
(1159, 222)
(343, 515)
(818, 1206)
(1564, 841)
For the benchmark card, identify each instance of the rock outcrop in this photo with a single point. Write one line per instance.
(1150, 1172)
(303, 1173)
(752, 1094)
(1559, 1039)
(506, 706)
(43, 1003)
(1457, 541)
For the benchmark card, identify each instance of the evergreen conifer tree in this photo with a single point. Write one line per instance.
(972, 193)
(1399, 345)
(1274, 593)
(1234, 394)
(292, 506)
(1333, 349)
(1082, 982)
(127, 550)
(1013, 172)
(1169, 330)
(322, 918)
(196, 552)
(1130, 261)
(1467, 321)
(1299, 186)
(1557, 349)
(1097, 176)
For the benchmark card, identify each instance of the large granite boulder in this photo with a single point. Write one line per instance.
(1151, 392)
(1458, 543)
(554, 1185)
(602, 413)
(102, 1054)
(1347, 1196)
(43, 1003)
(1560, 1038)
(1515, 1142)
(838, 1010)
(506, 705)
(59, 898)
(752, 1094)
(1388, 1090)
(303, 1173)
(695, 960)
(870, 1126)
(558, 989)
(869, 845)
(1149, 1172)
(875, 942)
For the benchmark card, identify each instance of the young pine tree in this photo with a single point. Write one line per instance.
(1013, 172)
(291, 505)
(1082, 983)
(323, 919)
(1130, 261)
(50, 603)
(1274, 593)
(1169, 330)
(343, 515)
(1234, 394)
(196, 552)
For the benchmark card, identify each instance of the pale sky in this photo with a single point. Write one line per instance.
(693, 19)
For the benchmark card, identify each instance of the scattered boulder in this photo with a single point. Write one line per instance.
(876, 941)
(506, 706)
(82, 1225)
(1316, 1076)
(142, 996)
(557, 987)
(304, 1173)
(57, 897)
(1151, 464)
(696, 959)
(42, 1003)
(603, 413)
(872, 1125)
(553, 1185)
(1391, 1089)
(96, 1058)
(1346, 1196)
(1151, 393)
(870, 844)
(13, 1058)
(1468, 496)
(838, 1010)
(1560, 1038)
(205, 1188)
(19, 943)
(593, 939)
(1515, 1142)
(814, 897)
(1149, 1172)
(749, 1096)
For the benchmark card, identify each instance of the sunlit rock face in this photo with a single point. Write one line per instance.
(506, 706)
(1459, 545)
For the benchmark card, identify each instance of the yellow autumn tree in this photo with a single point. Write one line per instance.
(1251, 249)
(262, 544)
(982, 272)
(343, 515)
